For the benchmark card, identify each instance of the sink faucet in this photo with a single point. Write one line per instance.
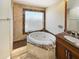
(73, 33)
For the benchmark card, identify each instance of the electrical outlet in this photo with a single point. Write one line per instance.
(60, 26)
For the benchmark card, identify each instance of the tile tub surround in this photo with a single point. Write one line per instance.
(32, 52)
(21, 43)
(46, 47)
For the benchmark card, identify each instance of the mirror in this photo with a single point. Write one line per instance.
(73, 15)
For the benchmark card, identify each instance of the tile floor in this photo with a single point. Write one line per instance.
(32, 52)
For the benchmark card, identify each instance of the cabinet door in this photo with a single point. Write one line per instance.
(61, 52)
(5, 9)
(73, 56)
(5, 29)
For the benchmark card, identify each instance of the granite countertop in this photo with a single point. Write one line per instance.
(61, 36)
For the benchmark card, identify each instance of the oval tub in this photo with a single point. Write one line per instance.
(41, 38)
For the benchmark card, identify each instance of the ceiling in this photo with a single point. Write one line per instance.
(38, 3)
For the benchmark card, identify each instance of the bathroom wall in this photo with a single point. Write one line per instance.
(18, 20)
(55, 17)
(6, 29)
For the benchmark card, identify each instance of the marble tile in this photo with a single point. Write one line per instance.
(32, 52)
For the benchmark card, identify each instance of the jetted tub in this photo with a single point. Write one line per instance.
(41, 38)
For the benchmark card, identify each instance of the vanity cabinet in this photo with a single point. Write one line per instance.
(60, 51)
(64, 50)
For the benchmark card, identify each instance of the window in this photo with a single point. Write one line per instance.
(33, 20)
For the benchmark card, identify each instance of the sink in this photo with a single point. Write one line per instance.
(72, 40)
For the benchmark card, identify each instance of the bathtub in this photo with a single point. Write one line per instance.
(41, 38)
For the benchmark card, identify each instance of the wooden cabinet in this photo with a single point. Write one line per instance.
(65, 50)
(61, 51)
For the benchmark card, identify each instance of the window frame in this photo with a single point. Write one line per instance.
(44, 24)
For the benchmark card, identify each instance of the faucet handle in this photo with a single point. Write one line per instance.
(69, 32)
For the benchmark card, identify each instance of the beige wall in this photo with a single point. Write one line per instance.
(55, 16)
(18, 20)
